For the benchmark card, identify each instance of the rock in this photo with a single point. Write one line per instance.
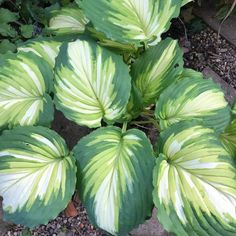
(150, 228)
(228, 28)
(230, 92)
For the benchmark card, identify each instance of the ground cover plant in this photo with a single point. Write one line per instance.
(24, 19)
(104, 66)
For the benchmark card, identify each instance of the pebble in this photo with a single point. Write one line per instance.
(63, 226)
(207, 51)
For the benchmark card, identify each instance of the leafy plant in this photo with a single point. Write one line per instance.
(194, 182)
(37, 170)
(66, 21)
(25, 91)
(21, 20)
(118, 73)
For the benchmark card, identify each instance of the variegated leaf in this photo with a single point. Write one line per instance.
(184, 2)
(156, 69)
(193, 99)
(92, 83)
(67, 20)
(115, 178)
(192, 74)
(46, 48)
(195, 182)
(228, 138)
(37, 175)
(102, 40)
(26, 81)
(132, 21)
(234, 109)
(135, 105)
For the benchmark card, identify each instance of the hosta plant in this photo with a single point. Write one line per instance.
(106, 66)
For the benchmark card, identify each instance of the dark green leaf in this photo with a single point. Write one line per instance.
(192, 74)
(6, 45)
(26, 232)
(7, 31)
(27, 31)
(7, 16)
(115, 178)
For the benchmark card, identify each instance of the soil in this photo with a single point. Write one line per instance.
(227, 29)
(206, 50)
(62, 226)
(202, 49)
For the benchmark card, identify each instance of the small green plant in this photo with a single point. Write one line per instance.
(21, 20)
(106, 67)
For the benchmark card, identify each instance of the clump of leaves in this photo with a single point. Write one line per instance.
(12, 30)
(6, 30)
(117, 73)
(22, 20)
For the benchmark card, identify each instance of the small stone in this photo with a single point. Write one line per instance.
(81, 226)
(69, 233)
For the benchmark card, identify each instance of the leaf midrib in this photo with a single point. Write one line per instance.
(38, 169)
(94, 92)
(142, 23)
(177, 166)
(117, 159)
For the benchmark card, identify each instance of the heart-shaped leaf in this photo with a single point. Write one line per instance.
(115, 178)
(195, 182)
(46, 48)
(193, 99)
(133, 21)
(26, 81)
(67, 20)
(92, 83)
(37, 175)
(156, 69)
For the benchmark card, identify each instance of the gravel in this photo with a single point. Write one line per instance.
(61, 226)
(206, 50)
(203, 48)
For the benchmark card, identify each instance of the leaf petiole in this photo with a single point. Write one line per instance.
(124, 127)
